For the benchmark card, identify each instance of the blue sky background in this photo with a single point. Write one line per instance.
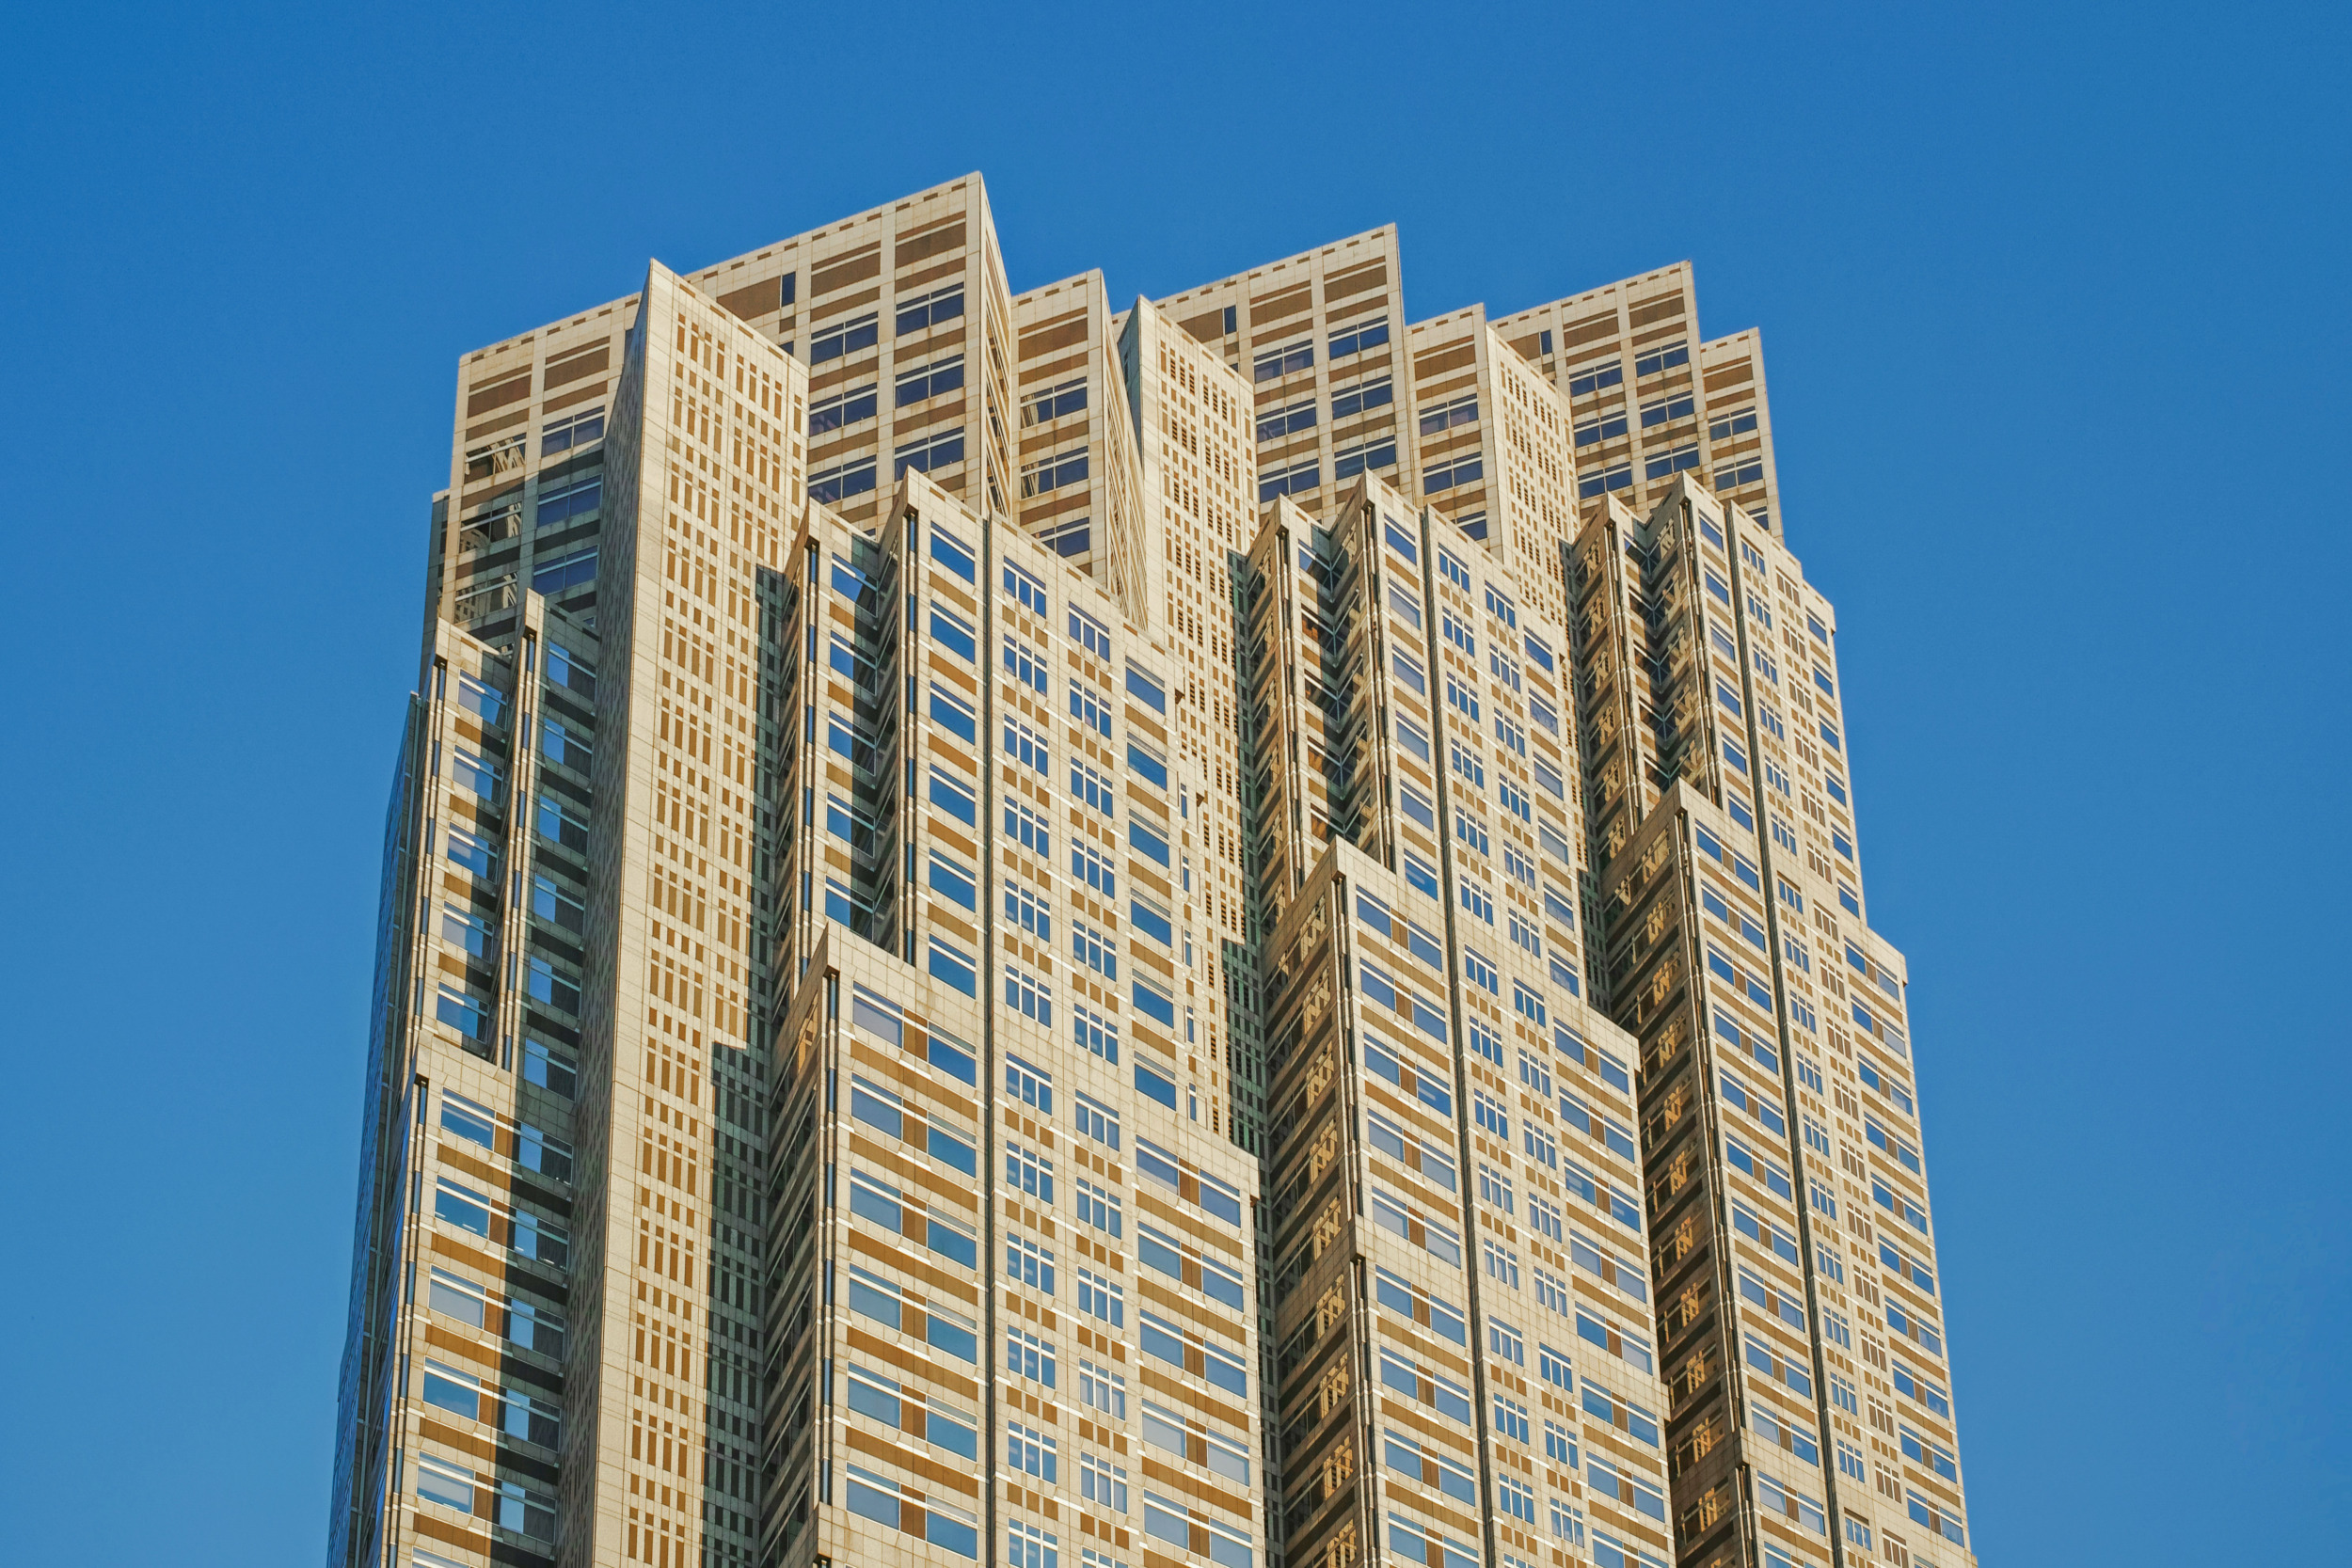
(2053, 300)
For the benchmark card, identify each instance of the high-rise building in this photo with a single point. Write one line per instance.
(956, 985)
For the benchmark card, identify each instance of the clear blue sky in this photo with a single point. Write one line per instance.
(2053, 298)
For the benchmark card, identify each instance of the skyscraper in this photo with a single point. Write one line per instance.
(955, 983)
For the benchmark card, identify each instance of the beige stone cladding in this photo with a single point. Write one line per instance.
(1514, 1222)
(1492, 438)
(480, 1314)
(1017, 1025)
(1323, 678)
(703, 484)
(900, 312)
(1647, 398)
(1080, 487)
(1320, 339)
(526, 496)
(1802, 1335)
(1562, 1279)
(1194, 444)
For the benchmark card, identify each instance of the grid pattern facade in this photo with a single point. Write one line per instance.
(1649, 399)
(1222, 931)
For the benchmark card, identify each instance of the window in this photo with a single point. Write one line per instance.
(1620, 1485)
(1088, 865)
(1445, 416)
(1067, 536)
(832, 485)
(890, 1208)
(1026, 1356)
(1786, 1432)
(563, 502)
(1609, 1410)
(1407, 605)
(1360, 336)
(944, 375)
(1911, 1386)
(1490, 1113)
(1663, 358)
(1595, 482)
(1357, 397)
(1102, 1298)
(1157, 1083)
(462, 1011)
(1465, 469)
(1101, 1390)
(923, 311)
(1089, 634)
(1022, 824)
(1272, 364)
(479, 775)
(843, 337)
(1375, 453)
(549, 1069)
(573, 430)
(1103, 1483)
(1146, 689)
(1430, 1466)
(1090, 707)
(1026, 590)
(1275, 424)
(1676, 405)
(842, 409)
(953, 714)
(1023, 663)
(1297, 479)
(1933, 1455)
(1403, 1219)
(1094, 948)
(545, 983)
(475, 854)
(1026, 746)
(1600, 1331)
(1898, 1204)
(1888, 1144)
(1033, 1087)
(1192, 1353)
(950, 631)
(930, 452)
(1052, 472)
(1098, 1206)
(1937, 1517)
(1026, 1263)
(954, 554)
(1738, 422)
(1051, 403)
(1609, 373)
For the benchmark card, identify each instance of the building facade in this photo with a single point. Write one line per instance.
(1024, 930)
